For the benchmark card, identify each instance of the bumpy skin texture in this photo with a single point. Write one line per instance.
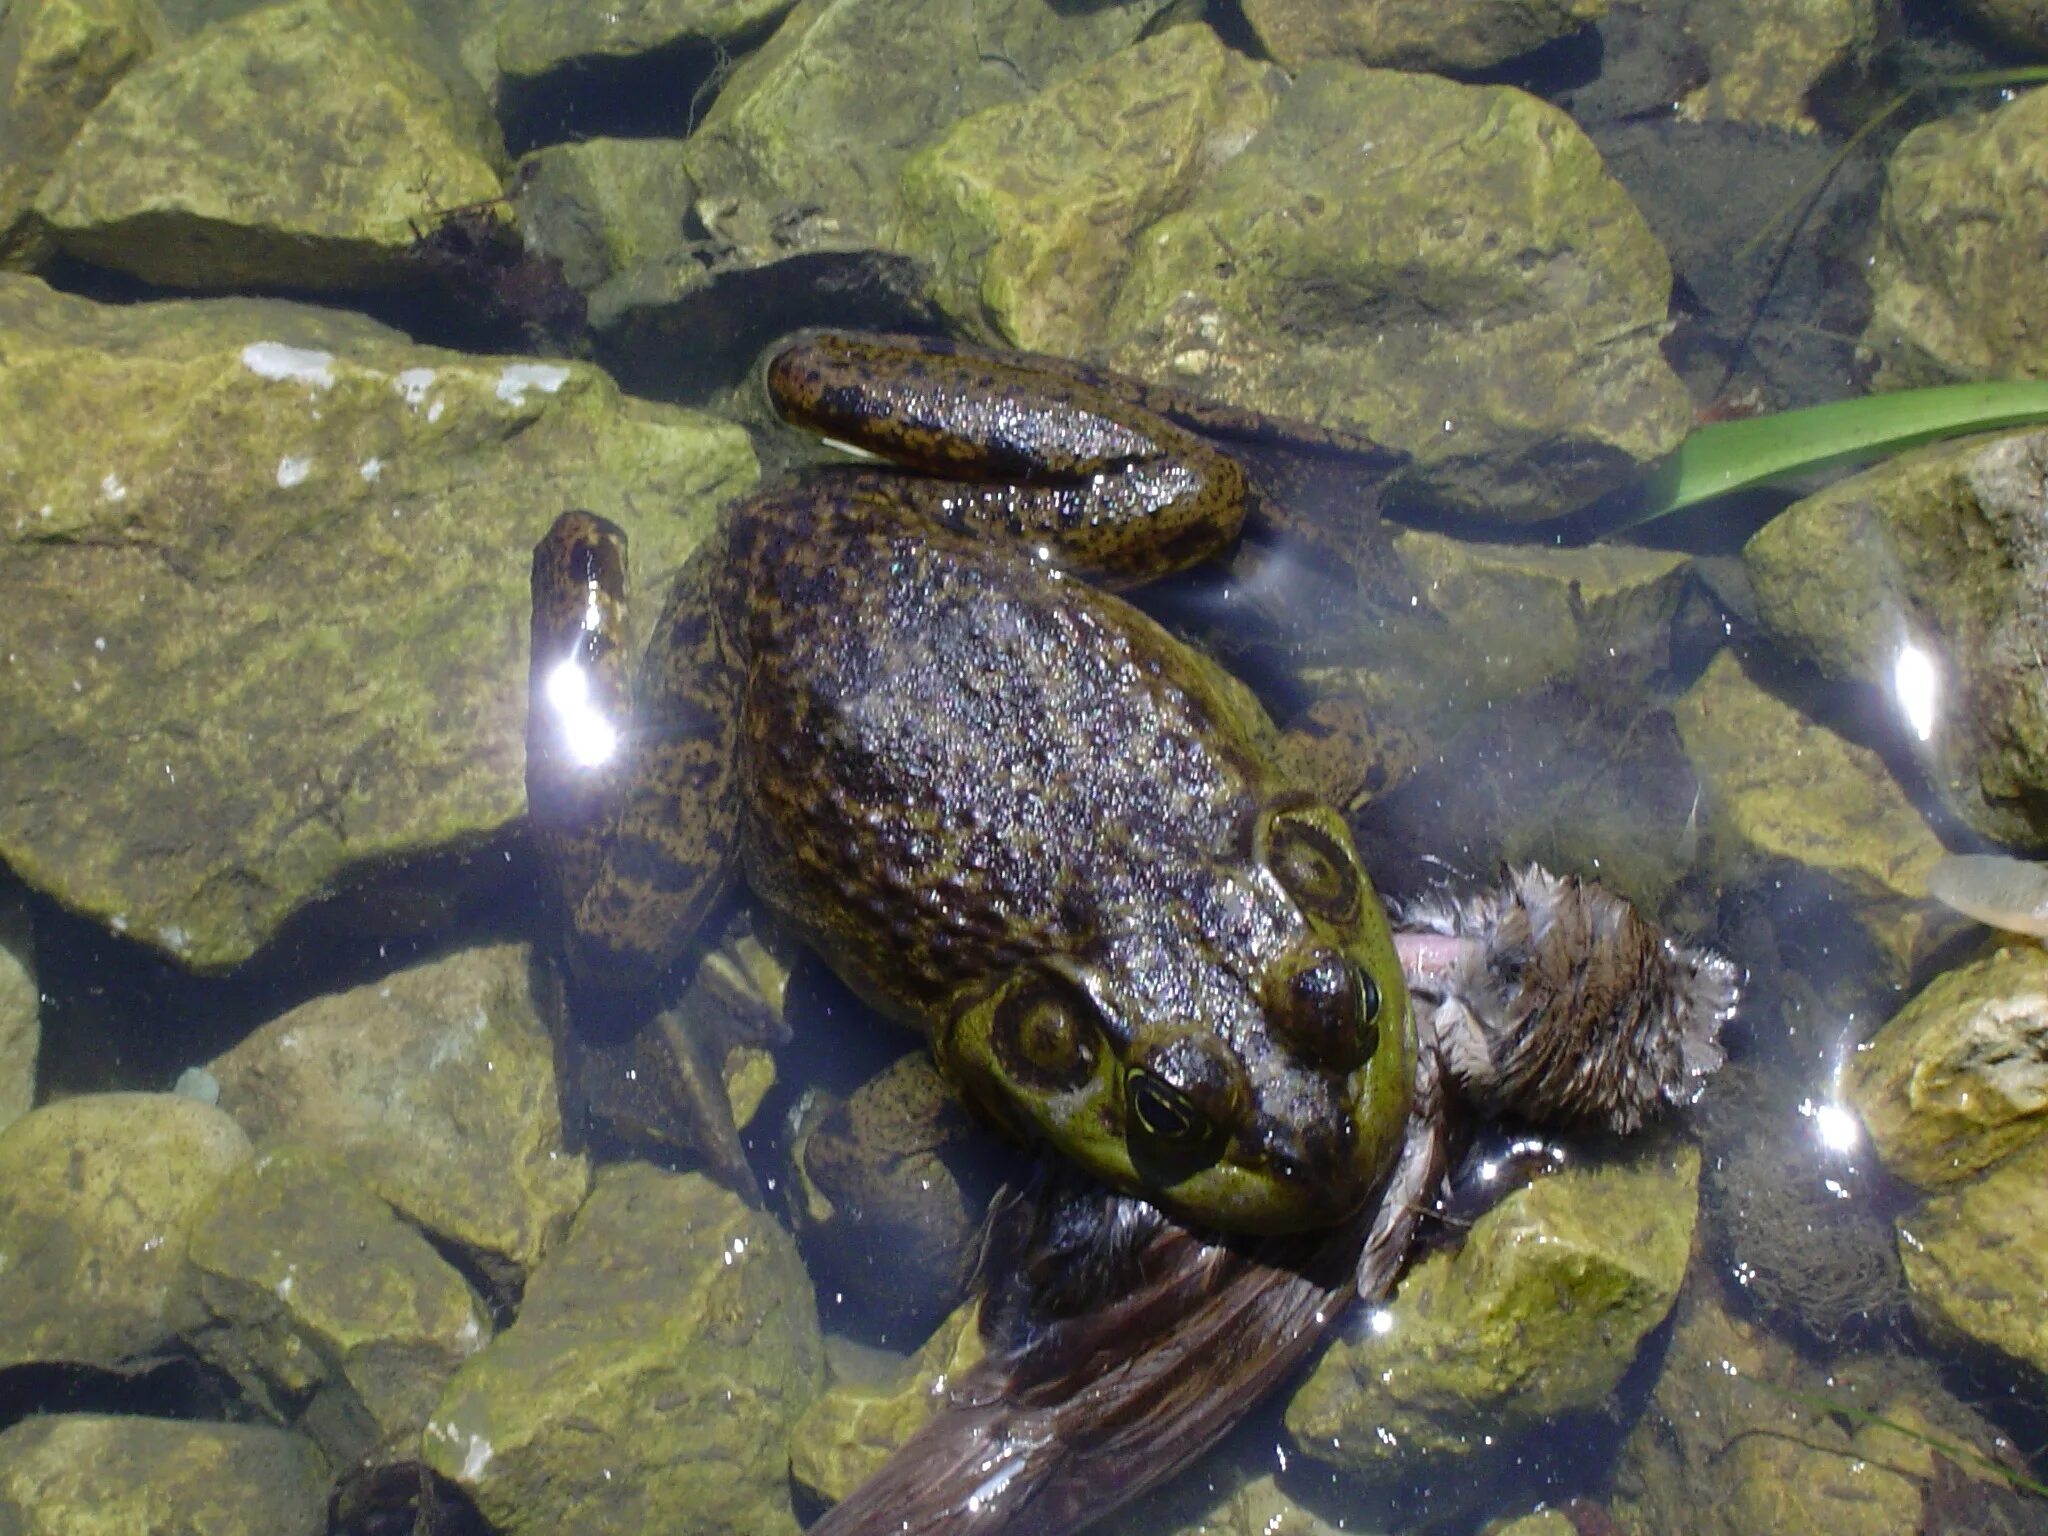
(1009, 809)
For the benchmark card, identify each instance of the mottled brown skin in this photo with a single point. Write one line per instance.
(1009, 809)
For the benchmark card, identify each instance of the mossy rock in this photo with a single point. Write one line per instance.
(1425, 35)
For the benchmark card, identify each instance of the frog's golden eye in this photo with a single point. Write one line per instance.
(1044, 1034)
(1312, 862)
(1164, 1113)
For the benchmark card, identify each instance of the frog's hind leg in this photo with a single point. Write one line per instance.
(1554, 1001)
(633, 801)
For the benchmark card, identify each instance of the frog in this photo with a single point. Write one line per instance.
(914, 712)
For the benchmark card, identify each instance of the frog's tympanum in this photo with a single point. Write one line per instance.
(1020, 816)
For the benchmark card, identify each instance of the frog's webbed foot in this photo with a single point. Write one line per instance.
(1555, 1001)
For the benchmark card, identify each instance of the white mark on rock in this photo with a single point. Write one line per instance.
(111, 488)
(434, 410)
(294, 365)
(413, 384)
(518, 378)
(371, 469)
(292, 471)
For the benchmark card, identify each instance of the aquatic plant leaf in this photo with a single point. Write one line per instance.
(1733, 455)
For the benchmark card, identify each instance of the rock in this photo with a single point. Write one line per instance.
(205, 498)
(97, 1198)
(1546, 1522)
(85, 1474)
(1944, 550)
(330, 1312)
(1027, 212)
(1445, 268)
(58, 60)
(1958, 250)
(1977, 1258)
(1742, 1436)
(865, 1416)
(1958, 1078)
(20, 1011)
(243, 157)
(436, 1087)
(801, 151)
(1538, 1312)
(881, 1210)
(1250, 1506)
(1767, 56)
(603, 207)
(536, 38)
(660, 1359)
(1413, 34)
(1778, 788)
(2024, 23)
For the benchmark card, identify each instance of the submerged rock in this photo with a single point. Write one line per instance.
(1958, 1078)
(864, 1418)
(436, 1087)
(1977, 1258)
(1955, 277)
(20, 1011)
(98, 1195)
(537, 37)
(243, 157)
(1780, 789)
(58, 60)
(1741, 1436)
(2021, 22)
(1445, 268)
(1413, 34)
(1767, 56)
(330, 1312)
(277, 558)
(660, 1358)
(1027, 212)
(1939, 554)
(1538, 1313)
(84, 1474)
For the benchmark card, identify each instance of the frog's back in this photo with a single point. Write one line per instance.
(957, 758)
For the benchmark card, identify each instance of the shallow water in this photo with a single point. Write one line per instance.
(1585, 773)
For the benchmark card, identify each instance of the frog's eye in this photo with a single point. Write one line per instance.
(1307, 851)
(1329, 1008)
(1164, 1113)
(1044, 1034)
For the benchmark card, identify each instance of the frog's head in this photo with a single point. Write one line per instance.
(1239, 1054)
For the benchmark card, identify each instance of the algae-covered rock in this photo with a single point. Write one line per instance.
(1779, 788)
(1977, 1258)
(1945, 551)
(58, 59)
(1248, 1506)
(804, 145)
(97, 1199)
(330, 1312)
(1739, 1438)
(1414, 34)
(1538, 1312)
(20, 1011)
(1958, 1078)
(1956, 274)
(863, 1419)
(603, 207)
(881, 1209)
(1764, 57)
(537, 36)
(278, 559)
(1445, 268)
(436, 1087)
(242, 156)
(84, 1474)
(2021, 22)
(660, 1358)
(1027, 211)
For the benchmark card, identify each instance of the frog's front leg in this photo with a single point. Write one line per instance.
(633, 799)
(1020, 447)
